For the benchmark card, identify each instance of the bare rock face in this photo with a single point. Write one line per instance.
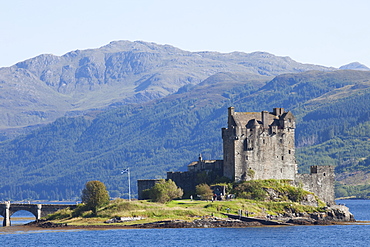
(120, 72)
(336, 213)
(204, 222)
(339, 213)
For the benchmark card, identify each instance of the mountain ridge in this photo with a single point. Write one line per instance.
(121, 72)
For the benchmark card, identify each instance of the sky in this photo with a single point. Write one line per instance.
(324, 32)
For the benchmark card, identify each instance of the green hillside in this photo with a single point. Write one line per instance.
(55, 161)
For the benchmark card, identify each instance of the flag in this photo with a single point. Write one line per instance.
(124, 171)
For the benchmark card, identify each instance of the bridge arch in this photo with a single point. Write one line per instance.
(11, 212)
(38, 210)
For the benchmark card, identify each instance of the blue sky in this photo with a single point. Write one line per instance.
(325, 32)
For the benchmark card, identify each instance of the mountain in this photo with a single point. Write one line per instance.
(355, 66)
(165, 134)
(40, 90)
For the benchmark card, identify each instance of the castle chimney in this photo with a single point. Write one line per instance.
(265, 119)
(278, 111)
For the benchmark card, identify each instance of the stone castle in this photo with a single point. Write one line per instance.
(256, 145)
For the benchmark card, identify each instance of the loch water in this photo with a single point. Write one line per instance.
(357, 234)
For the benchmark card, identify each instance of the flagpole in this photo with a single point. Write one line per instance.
(129, 184)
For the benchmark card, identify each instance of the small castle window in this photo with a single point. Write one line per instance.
(282, 157)
(324, 174)
(246, 157)
(289, 152)
(263, 141)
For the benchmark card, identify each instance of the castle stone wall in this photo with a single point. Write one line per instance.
(144, 184)
(185, 180)
(260, 142)
(320, 181)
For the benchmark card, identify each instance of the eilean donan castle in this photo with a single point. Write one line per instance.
(256, 145)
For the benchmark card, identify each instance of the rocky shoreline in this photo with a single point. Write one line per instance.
(337, 214)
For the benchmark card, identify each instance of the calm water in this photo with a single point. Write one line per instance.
(337, 235)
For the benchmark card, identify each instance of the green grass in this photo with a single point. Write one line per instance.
(252, 197)
(177, 210)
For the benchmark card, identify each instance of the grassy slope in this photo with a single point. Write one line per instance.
(284, 199)
(177, 210)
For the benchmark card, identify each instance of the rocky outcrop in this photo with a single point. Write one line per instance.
(204, 222)
(332, 215)
(46, 224)
(338, 213)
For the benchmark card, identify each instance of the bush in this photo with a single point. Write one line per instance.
(296, 194)
(95, 195)
(251, 190)
(204, 191)
(165, 191)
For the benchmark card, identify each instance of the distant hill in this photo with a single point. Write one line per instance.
(165, 134)
(42, 89)
(355, 66)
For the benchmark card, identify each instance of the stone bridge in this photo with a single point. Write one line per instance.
(7, 209)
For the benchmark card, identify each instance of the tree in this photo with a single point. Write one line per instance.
(165, 191)
(95, 195)
(204, 191)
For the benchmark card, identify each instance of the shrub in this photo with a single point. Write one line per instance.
(204, 191)
(296, 194)
(165, 191)
(95, 195)
(250, 190)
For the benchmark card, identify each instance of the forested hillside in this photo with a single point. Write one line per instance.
(44, 88)
(54, 162)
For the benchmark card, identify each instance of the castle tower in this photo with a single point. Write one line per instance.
(259, 145)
